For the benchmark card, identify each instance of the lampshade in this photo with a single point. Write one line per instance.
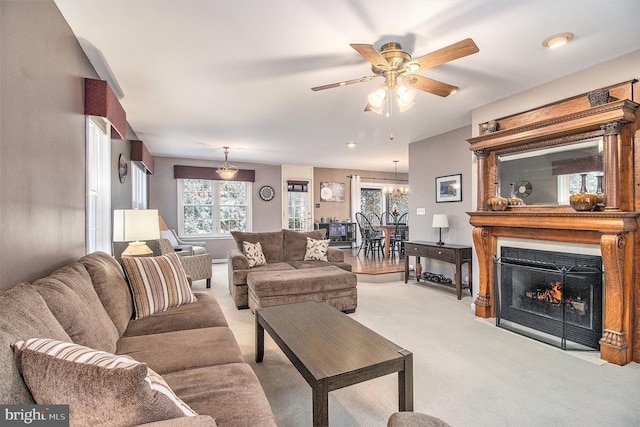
(377, 97)
(136, 226)
(440, 221)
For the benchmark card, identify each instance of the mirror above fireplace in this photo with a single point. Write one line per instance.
(548, 175)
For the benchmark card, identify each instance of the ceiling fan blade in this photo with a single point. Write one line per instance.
(344, 83)
(449, 53)
(428, 85)
(372, 55)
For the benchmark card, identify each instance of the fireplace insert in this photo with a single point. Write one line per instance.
(552, 296)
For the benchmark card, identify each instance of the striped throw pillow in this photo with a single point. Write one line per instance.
(100, 388)
(157, 283)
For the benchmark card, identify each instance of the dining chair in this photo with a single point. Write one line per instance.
(371, 239)
(400, 235)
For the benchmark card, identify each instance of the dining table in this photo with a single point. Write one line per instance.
(388, 229)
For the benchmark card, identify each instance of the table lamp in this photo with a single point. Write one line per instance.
(440, 221)
(136, 226)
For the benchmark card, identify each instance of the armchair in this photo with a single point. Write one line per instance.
(197, 267)
(184, 248)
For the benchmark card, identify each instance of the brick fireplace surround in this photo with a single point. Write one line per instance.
(614, 229)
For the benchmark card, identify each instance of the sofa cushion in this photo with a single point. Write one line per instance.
(178, 350)
(229, 393)
(24, 315)
(299, 265)
(111, 286)
(254, 254)
(99, 387)
(295, 243)
(197, 421)
(300, 281)
(157, 283)
(316, 250)
(72, 299)
(270, 241)
(204, 313)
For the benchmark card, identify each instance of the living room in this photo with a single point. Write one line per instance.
(44, 195)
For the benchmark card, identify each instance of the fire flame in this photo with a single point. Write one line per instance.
(553, 294)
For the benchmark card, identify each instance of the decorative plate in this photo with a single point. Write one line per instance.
(267, 193)
(123, 168)
(523, 189)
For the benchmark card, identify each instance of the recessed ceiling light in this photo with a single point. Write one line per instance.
(557, 40)
(351, 144)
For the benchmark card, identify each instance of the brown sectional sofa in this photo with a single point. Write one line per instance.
(191, 346)
(284, 250)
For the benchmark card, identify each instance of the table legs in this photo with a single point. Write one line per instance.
(259, 339)
(320, 404)
(405, 383)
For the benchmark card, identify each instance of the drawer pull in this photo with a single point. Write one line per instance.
(439, 252)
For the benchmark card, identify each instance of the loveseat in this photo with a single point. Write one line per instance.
(202, 378)
(283, 250)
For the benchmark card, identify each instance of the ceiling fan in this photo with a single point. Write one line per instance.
(397, 68)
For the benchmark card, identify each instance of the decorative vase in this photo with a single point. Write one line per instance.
(601, 200)
(583, 201)
(514, 200)
(497, 202)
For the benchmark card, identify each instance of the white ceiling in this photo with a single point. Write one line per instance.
(197, 75)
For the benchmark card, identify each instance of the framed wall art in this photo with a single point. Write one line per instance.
(449, 188)
(332, 191)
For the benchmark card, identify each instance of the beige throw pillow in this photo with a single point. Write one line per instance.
(101, 389)
(316, 250)
(254, 254)
(157, 283)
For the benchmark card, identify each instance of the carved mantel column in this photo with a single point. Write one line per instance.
(484, 301)
(482, 159)
(611, 172)
(613, 344)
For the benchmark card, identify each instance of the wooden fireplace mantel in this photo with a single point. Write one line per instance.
(616, 229)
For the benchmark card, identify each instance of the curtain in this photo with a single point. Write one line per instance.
(355, 203)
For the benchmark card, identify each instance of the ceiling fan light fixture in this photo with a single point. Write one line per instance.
(378, 96)
(226, 170)
(412, 67)
(557, 40)
(405, 96)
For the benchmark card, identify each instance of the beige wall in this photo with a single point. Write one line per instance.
(42, 154)
(445, 154)
(342, 210)
(163, 195)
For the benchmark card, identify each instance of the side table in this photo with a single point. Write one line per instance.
(454, 254)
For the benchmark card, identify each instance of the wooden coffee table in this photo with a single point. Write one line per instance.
(332, 351)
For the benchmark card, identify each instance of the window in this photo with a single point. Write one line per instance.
(98, 205)
(298, 202)
(213, 208)
(138, 187)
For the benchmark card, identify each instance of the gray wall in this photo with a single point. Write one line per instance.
(42, 144)
(441, 155)
(163, 195)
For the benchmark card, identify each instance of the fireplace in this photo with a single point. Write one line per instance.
(553, 296)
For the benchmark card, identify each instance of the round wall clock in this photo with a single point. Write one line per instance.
(523, 189)
(123, 168)
(267, 193)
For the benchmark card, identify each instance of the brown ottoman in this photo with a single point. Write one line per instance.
(330, 284)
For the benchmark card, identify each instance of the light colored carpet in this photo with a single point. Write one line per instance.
(466, 371)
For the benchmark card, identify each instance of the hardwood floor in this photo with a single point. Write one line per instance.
(372, 265)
